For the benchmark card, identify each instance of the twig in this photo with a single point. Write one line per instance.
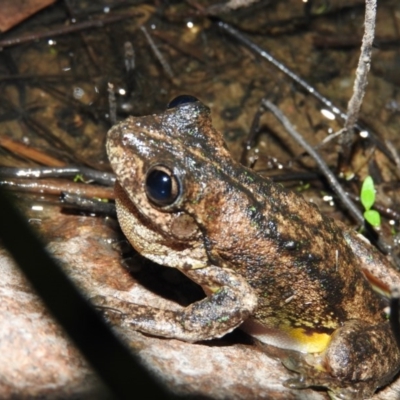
(333, 182)
(34, 77)
(249, 142)
(395, 153)
(186, 50)
(96, 23)
(395, 314)
(264, 54)
(77, 202)
(29, 152)
(57, 187)
(167, 68)
(88, 174)
(129, 56)
(360, 83)
(112, 103)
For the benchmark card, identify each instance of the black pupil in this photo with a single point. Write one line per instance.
(182, 99)
(159, 187)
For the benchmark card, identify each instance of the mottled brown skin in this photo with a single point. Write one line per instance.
(263, 255)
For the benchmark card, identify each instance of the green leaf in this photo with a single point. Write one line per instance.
(79, 178)
(373, 217)
(367, 193)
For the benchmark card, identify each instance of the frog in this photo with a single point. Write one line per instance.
(268, 261)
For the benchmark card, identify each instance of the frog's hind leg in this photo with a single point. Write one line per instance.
(359, 359)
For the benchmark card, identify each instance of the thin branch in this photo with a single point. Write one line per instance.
(112, 103)
(95, 23)
(164, 63)
(267, 56)
(395, 313)
(361, 81)
(88, 174)
(57, 187)
(77, 202)
(29, 152)
(333, 182)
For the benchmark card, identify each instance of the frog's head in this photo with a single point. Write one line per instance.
(166, 165)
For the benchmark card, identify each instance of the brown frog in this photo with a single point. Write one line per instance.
(267, 260)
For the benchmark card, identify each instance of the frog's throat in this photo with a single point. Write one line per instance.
(151, 244)
(286, 337)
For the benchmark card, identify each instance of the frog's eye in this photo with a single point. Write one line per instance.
(162, 186)
(182, 99)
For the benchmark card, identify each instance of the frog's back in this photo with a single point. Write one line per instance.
(307, 277)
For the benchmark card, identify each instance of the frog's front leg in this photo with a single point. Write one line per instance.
(375, 266)
(230, 300)
(359, 359)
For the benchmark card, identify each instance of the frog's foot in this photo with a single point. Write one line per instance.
(312, 374)
(308, 375)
